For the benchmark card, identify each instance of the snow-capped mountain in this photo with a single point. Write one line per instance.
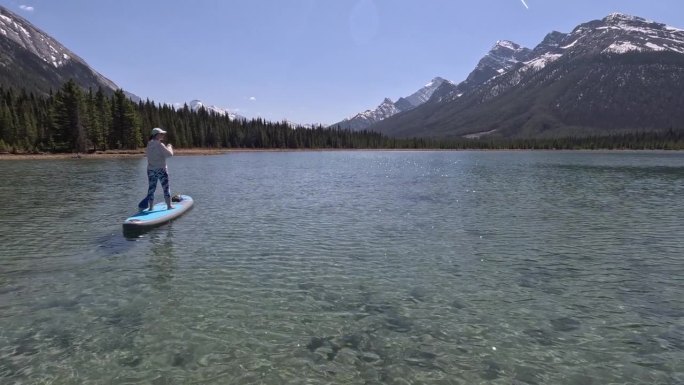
(365, 119)
(423, 94)
(26, 52)
(196, 105)
(615, 34)
(389, 108)
(623, 33)
(502, 57)
(33, 40)
(620, 73)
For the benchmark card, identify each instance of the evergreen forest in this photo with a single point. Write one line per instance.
(75, 120)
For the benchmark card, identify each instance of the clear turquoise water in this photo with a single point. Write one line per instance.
(348, 268)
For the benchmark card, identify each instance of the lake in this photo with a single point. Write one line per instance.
(359, 267)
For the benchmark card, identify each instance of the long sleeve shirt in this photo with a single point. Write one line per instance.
(157, 152)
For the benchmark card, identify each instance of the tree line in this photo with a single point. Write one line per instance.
(75, 120)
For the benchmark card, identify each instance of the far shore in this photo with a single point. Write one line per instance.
(112, 154)
(190, 152)
(133, 153)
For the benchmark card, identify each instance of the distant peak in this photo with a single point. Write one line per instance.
(506, 44)
(553, 39)
(555, 35)
(617, 17)
(387, 101)
(435, 82)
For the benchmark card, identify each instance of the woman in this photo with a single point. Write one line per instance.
(157, 152)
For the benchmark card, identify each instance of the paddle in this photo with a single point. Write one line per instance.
(143, 204)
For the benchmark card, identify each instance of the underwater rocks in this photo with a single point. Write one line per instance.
(565, 324)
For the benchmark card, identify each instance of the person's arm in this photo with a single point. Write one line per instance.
(166, 149)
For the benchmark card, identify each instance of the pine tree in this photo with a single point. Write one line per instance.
(7, 126)
(104, 113)
(95, 129)
(69, 130)
(125, 122)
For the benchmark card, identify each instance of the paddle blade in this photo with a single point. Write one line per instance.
(143, 204)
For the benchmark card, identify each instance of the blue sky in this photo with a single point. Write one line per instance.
(307, 61)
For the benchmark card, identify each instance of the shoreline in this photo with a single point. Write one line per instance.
(189, 152)
(134, 153)
(216, 151)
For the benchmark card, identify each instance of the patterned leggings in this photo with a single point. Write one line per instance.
(159, 174)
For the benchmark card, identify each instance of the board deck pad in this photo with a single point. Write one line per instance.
(159, 215)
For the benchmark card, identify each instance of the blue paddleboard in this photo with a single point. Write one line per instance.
(159, 215)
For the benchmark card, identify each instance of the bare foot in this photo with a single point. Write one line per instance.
(169, 207)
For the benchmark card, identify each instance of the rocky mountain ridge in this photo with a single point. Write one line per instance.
(618, 73)
(389, 108)
(503, 56)
(32, 59)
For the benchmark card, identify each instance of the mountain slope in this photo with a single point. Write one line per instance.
(31, 59)
(501, 58)
(504, 56)
(621, 73)
(387, 108)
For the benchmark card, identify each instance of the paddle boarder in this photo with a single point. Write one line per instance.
(157, 152)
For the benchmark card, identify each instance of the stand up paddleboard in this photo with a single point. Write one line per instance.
(146, 219)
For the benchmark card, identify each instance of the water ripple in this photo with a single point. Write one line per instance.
(349, 267)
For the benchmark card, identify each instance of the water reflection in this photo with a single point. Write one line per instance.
(162, 261)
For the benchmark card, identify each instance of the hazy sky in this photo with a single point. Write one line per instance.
(306, 61)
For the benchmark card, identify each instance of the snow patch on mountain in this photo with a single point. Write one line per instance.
(504, 54)
(423, 95)
(636, 34)
(34, 40)
(622, 47)
(507, 44)
(541, 61)
(570, 45)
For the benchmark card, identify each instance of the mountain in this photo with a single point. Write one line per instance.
(504, 56)
(195, 105)
(31, 59)
(387, 108)
(501, 58)
(620, 73)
